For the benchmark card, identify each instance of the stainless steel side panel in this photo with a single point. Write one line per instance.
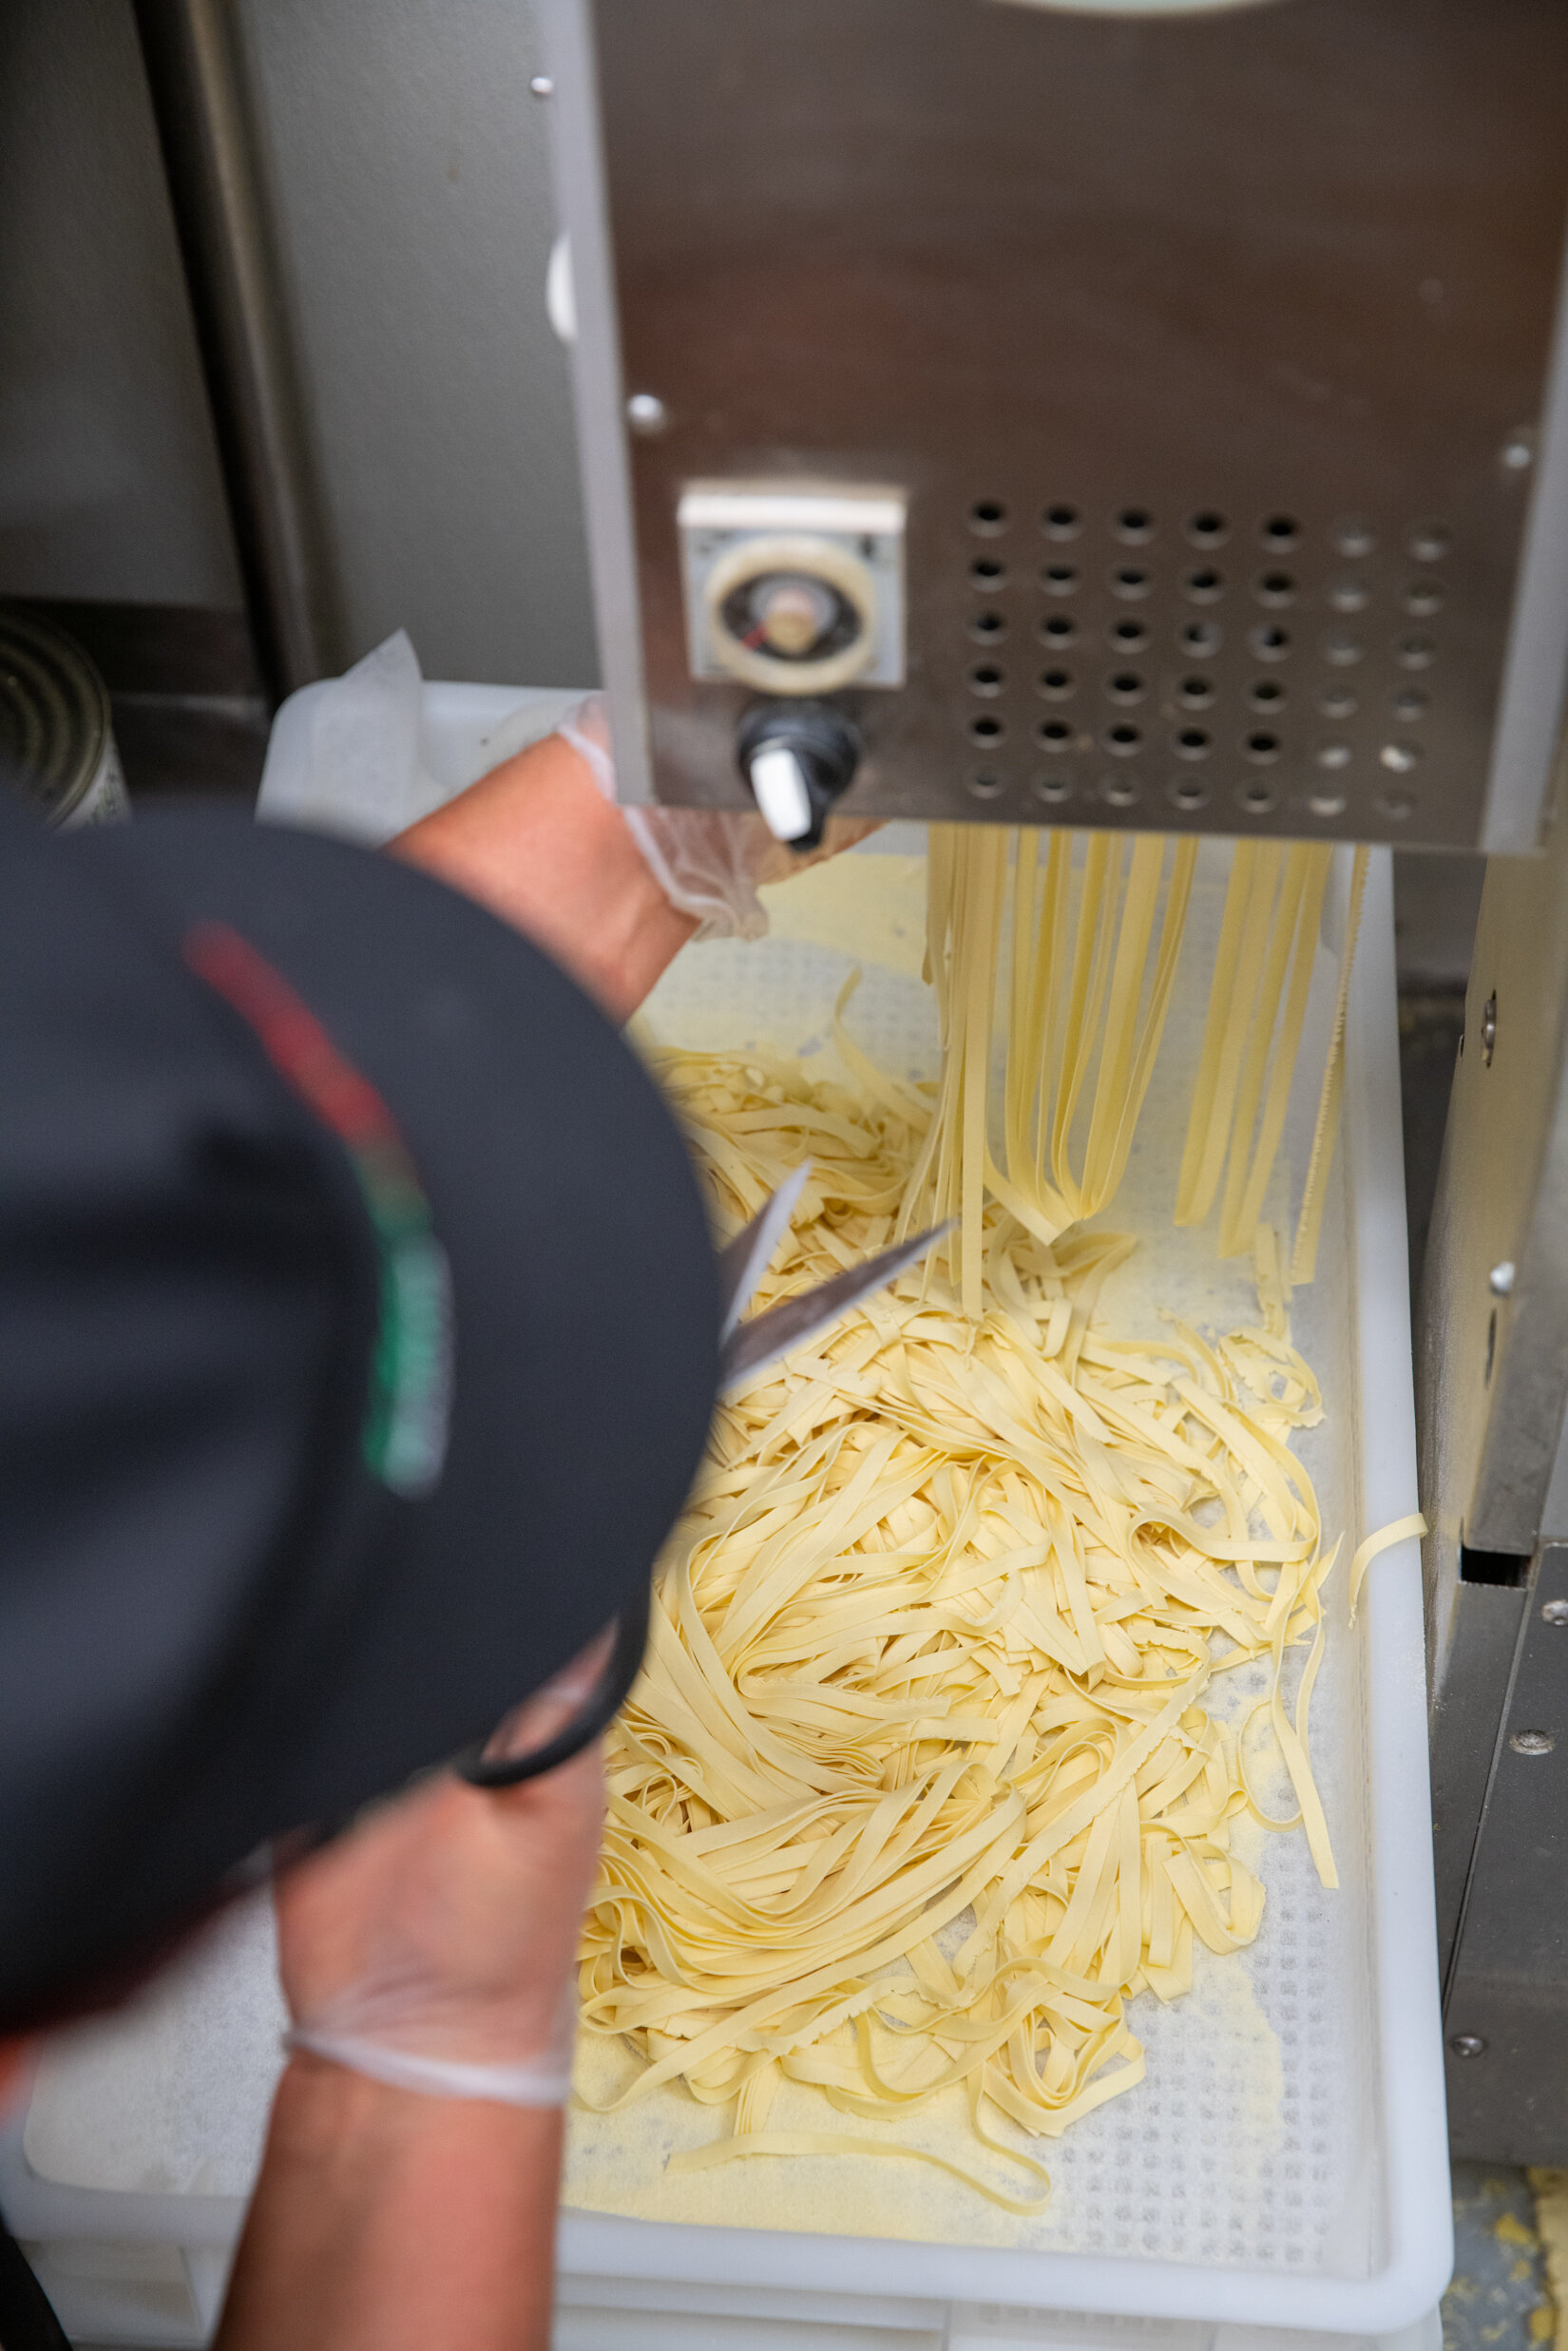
(1508, 1986)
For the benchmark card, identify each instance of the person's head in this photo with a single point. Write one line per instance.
(358, 1333)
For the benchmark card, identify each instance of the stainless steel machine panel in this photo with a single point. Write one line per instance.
(1211, 349)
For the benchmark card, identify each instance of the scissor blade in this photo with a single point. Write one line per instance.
(743, 1261)
(784, 1328)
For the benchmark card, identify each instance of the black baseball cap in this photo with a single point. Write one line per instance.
(358, 1331)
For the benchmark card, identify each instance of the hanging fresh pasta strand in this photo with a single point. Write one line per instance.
(1237, 1232)
(1263, 1016)
(1326, 1133)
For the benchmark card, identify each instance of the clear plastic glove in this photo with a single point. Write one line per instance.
(710, 863)
(434, 1947)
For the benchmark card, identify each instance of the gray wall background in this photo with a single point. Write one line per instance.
(407, 171)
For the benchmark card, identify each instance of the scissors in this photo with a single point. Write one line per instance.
(748, 1348)
(744, 1349)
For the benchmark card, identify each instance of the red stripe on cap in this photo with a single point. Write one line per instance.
(292, 1037)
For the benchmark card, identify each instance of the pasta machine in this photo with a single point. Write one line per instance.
(1148, 414)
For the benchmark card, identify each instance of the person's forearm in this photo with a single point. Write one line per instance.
(537, 843)
(388, 2221)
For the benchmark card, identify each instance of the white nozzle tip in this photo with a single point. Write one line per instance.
(779, 782)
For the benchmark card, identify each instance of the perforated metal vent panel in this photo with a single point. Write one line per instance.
(1230, 667)
(1210, 352)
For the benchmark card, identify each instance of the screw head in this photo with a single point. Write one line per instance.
(1518, 454)
(646, 413)
(1500, 1280)
(1467, 2044)
(1532, 1742)
(1554, 1612)
(542, 85)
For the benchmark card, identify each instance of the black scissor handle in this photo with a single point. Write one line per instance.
(620, 1669)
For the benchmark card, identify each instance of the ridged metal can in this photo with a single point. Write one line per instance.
(56, 739)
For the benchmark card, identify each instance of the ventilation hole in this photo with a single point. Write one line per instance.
(1262, 749)
(1509, 1569)
(988, 628)
(1059, 579)
(1054, 733)
(1342, 649)
(1130, 580)
(1421, 599)
(1398, 759)
(1280, 531)
(1337, 703)
(986, 782)
(1328, 803)
(1208, 529)
(986, 678)
(1415, 653)
(1062, 522)
(1409, 706)
(987, 516)
(1125, 739)
(1271, 642)
(1266, 694)
(1348, 596)
(1126, 686)
(1056, 684)
(1276, 587)
(987, 571)
(1185, 791)
(1258, 799)
(1192, 743)
(1396, 805)
(1052, 787)
(1352, 537)
(1429, 543)
(1204, 585)
(1136, 524)
(1332, 756)
(986, 731)
(1201, 639)
(1130, 635)
(1196, 693)
(1121, 790)
(1056, 629)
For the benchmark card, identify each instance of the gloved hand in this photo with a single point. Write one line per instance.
(433, 1946)
(710, 863)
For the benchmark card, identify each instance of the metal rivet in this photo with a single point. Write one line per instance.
(646, 413)
(1532, 1742)
(1517, 452)
(1467, 2044)
(542, 85)
(1500, 1280)
(1489, 1028)
(1399, 757)
(1328, 804)
(1554, 1612)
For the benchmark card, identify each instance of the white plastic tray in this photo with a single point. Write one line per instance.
(1281, 2177)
